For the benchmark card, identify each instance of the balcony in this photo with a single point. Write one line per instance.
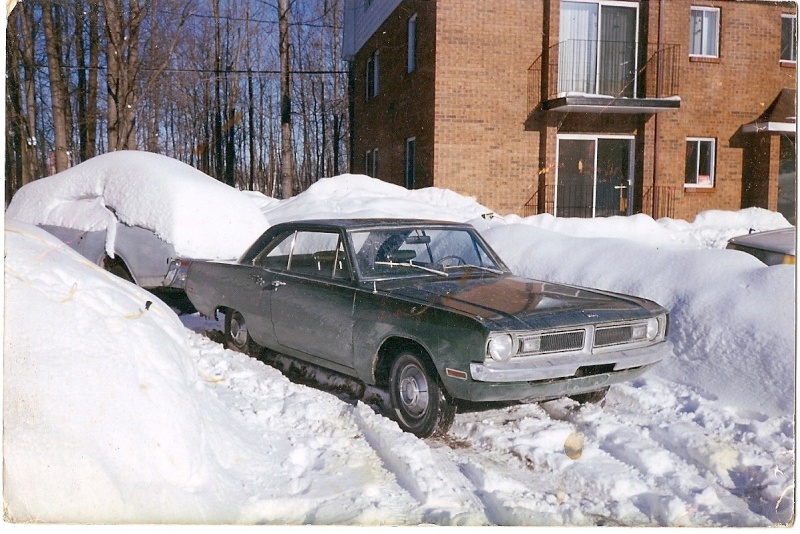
(656, 201)
(593, 76)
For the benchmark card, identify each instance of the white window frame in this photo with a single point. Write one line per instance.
(411, 163)
(704, 53)
(372, 75)
(793, 49)
(712, 158)
(411, 63)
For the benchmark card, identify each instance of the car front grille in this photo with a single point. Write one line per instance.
(552, 342)
(614, 335)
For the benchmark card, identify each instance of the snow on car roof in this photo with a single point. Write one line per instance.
(200, 216)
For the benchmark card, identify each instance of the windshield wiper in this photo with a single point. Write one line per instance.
(470, 266)
(411, 264)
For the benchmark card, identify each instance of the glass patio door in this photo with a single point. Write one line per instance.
(594, 177)
(597, 51)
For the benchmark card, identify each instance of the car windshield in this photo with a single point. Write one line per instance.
(407, 252)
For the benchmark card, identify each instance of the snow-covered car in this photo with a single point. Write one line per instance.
(137, 214)
(428, 311)
(773, 247)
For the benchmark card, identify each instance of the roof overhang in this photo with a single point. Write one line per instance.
(609, 104)
(779, 117)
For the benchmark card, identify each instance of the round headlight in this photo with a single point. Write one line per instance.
(652, 329)
(501, 347)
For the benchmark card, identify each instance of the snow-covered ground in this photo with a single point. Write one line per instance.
(116, 410)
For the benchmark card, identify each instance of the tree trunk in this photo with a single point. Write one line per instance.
(31, 168)
(58, 94)
(287, 154)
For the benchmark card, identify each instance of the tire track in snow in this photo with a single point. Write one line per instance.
(429, 476)
(522, 473)
(749, 457)
(684, 465)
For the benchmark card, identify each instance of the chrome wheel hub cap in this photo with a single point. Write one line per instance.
(238, 330)
(414, 390)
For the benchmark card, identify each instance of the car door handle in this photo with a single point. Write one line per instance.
(275, 284)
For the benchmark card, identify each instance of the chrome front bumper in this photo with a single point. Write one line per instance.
(565, 365)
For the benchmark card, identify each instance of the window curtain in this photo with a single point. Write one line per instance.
(577, 55)
(617, 51)
(703, 33)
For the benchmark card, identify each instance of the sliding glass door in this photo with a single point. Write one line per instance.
(595, 176)
(597, 48)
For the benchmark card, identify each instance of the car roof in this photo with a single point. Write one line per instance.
(782, 240)
(372, 223)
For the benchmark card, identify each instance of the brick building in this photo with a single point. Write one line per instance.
(579, 108)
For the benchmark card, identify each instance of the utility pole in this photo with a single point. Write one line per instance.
(287, 154)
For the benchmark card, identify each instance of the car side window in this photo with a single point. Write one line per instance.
(308, 253)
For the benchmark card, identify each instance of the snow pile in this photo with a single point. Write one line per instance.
(710, 229)
(713, 228)
(732, 318)
(359, 196)
(200, 216)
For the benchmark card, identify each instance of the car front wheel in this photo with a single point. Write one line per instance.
(420, 405)
(237, 337)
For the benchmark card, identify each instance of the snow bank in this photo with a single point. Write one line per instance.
(200, 216)
(732, 318)
(104, 416)
(359, 196)
(710, 229)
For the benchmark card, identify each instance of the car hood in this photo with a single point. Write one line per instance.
(510, 302)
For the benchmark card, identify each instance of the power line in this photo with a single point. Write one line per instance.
(206, 71)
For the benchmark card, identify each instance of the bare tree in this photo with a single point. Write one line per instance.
(254, 99)
(127, 79)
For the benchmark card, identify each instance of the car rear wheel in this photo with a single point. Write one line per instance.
(419, 403)
(118, 268)
(237, 337)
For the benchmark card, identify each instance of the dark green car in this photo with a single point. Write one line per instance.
(428, 311)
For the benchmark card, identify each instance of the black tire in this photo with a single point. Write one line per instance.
(237, 337)
(593, 397)
(419, 403)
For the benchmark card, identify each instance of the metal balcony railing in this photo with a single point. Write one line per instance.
(615, 69)
(656, 201)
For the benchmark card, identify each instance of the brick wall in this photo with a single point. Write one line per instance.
(403, 107)
(467, 102)
(718, 96)
(483, 51)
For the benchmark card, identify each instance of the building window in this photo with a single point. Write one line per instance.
(704, 32)
(412, 43)
(789, 38)
(411, 163)
(371, 163)
(597, 50)
(700, 156)
(373, 71)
